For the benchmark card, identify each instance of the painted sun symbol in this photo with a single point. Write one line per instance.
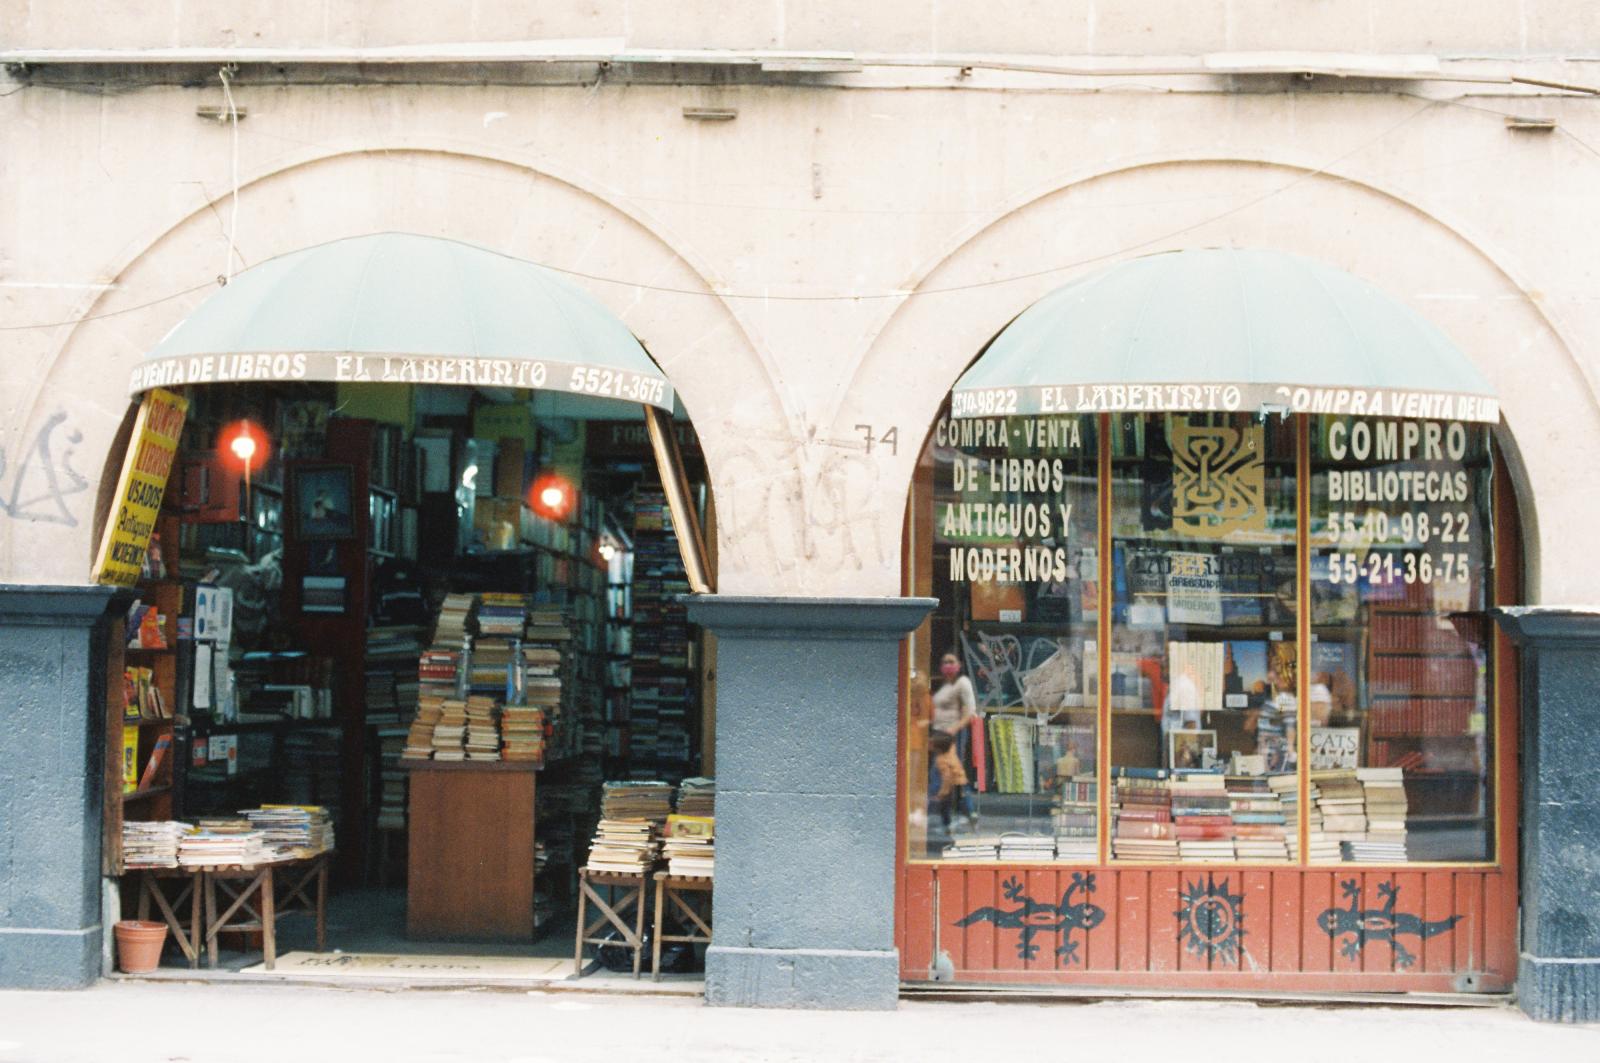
(1211, 921)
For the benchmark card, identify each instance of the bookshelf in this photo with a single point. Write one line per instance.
(1424, 714)
(144, 681)
(660, 739)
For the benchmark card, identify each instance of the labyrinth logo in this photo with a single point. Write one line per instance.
(1211, 921)
(1218, 479)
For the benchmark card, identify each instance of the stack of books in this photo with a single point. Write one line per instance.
(1074, 815)
(1142, 827)
(490, 670)
(690, 847)
(1017, 847)
(544, 659)
(1385, 793)
(981, 850)
(292, 831)
(419, 738)
(636, 799)
(216, 842)
(697, 796)
(1319, 847)
(450, 731)
(623, 846)
(483, 737)
(1202, 817)
(522, 728)
(1260, 828)
(436, 670)
(1343, 804)
(451, 629)
(151, 844)
(501, 614)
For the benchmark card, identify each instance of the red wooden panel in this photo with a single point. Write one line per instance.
(1040, 885)
(1257, 943)
(1378, 956)
(1130, 907)
(1346, 960)
(955, 892)
(1188, 879)
(916, 925)
(1318, 892)
(1469, 931)
(1410, 897)
(1286, 921)
(1163, 921)
(966, 892)
(1099, 949)
(1438, 903)
(1499, 925)
(1006, 942)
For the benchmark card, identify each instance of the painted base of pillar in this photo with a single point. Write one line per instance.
(49, 959)
(1559, 990)
(823, 979)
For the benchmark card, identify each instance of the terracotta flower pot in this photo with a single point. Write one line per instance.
(139, 945)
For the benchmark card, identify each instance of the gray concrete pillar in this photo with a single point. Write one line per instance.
(52, 687)
(1558, 971)
(806, 753)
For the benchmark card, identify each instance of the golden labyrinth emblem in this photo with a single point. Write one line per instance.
(1218, 480)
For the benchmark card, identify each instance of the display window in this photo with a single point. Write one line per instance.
(1208, 638)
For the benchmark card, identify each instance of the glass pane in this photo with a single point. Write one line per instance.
(1400, 534)
(1203, 651)
(1002, 735)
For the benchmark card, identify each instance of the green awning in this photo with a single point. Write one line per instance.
(404, 308)
(1223, 330)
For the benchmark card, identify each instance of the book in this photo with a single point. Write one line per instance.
(152, 767)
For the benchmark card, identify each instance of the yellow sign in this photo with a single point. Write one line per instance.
(1218, 480)
(151, 453)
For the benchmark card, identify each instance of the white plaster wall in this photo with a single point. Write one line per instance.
(1105, 27)
(781, 239)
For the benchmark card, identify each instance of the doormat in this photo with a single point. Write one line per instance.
(416, 966)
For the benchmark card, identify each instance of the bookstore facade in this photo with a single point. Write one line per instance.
(1072, 604)
(1108, 775)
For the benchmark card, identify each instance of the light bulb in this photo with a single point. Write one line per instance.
(243, 447)
(551, 496)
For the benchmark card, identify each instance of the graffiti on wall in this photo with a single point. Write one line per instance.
(1378, 924)
(811, 509)
(1033, 917)
(37, 482)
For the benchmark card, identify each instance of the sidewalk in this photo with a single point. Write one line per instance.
(146, 1023)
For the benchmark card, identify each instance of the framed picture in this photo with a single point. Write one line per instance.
(1191, 750)
(322, 502)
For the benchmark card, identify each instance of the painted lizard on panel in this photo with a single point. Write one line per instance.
(1378, 924)
(1035, 917)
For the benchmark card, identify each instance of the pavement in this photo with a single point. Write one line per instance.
(170, 1022)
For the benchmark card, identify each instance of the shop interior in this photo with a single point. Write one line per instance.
(442, 625)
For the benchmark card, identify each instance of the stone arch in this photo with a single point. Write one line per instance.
(1445, 275)
(503, 203)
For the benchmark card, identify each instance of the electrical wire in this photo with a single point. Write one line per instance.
(226, 76)
(1428, 104)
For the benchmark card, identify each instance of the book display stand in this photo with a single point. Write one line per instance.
(690, 896)
(613, 910)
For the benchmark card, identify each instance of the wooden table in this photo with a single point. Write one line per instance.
(150, 889)
(612, 911)
(254, 903)
(676, 890)
(470, 850)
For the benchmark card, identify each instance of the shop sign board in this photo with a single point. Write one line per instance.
(151, 453)
(1220, 397)
(504, 372)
